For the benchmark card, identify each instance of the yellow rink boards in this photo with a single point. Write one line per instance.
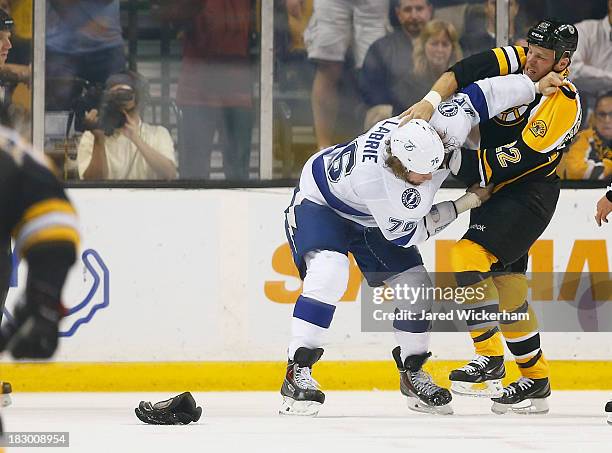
(251, 376)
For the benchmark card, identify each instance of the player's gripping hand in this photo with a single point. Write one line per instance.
(179, 410)
(32, 332)
(483, 193)
(548, 84)
(422, 110)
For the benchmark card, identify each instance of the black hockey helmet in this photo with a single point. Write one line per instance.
(6, 21)
(558, 36)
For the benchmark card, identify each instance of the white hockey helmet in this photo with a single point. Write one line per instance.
(418, 146)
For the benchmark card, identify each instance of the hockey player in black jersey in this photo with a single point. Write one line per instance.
(518, 152)
(36, 213)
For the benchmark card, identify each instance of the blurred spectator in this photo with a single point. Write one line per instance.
(215, 87)
(480, 30)
(136, 150)
(332, 27)
(387, 81)
(592, 62)
(590, 155)
(83, 40)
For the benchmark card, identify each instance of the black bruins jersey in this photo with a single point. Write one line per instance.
(33, 204)
(524, 142)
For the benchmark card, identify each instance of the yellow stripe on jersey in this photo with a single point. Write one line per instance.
(553, 120)
(551, 160)
(501, 60)
(44, 207)
(522, 55)
(488, 170)
(51, 234)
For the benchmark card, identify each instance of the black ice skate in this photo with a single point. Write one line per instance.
(480, 377)
(419, 388)
(301, 394)
(525, 396)
(5, 396)
(609, 411)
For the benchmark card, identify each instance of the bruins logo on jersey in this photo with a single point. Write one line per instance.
(538, 128)
(511, 116)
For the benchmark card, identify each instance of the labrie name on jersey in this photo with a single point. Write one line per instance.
(353, 180)
(33, 203)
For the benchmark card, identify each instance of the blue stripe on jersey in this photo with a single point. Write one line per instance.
(318, 171)
(404, 240)
(478, 100)
(315, 312)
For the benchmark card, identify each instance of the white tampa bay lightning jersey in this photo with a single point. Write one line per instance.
(353, 180)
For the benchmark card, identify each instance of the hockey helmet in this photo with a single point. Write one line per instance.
(418, 147)
(560, 37)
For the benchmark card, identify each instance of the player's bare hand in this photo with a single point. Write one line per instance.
(422, 110)
(483, 193)
(550, 82)
(604, 207)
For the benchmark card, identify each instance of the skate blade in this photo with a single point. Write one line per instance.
(535, 406)
(610, 419)
(487, 389)
(299, 408)
(414, 404)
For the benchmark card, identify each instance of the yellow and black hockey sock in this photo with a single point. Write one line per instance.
(471, 263)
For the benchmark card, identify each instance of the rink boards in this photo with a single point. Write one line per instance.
(195, 288)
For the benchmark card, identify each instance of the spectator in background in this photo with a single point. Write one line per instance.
(135, 151)
(332, 27)
(479, 34)
(83, 40)
(590, 155)
(385, 82)
(215, 87)
(592, 62)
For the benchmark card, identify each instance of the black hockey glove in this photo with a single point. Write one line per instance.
(179, 410)
(32, 333)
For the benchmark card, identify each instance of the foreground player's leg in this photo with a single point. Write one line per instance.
(5, 276)
(416, 385)
(482, 375)
(528, 394)
(324, 284)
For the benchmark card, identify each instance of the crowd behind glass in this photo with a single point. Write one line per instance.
(165, 90)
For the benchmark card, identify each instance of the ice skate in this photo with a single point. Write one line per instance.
(525, 396)
(481, 377)
(609, 411)
(301, 394)
(418, 387)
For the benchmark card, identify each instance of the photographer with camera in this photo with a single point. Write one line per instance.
(117, 144)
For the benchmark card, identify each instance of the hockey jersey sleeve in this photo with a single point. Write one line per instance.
(495, 62)
(479, 101)
(39, 211)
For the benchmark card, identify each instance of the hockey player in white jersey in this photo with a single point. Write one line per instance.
(374, 197)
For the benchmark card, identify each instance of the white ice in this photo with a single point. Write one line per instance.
(348, 422)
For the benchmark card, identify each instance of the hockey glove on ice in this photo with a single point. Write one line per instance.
(179, 410)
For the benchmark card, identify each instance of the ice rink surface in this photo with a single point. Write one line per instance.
(348, 422)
